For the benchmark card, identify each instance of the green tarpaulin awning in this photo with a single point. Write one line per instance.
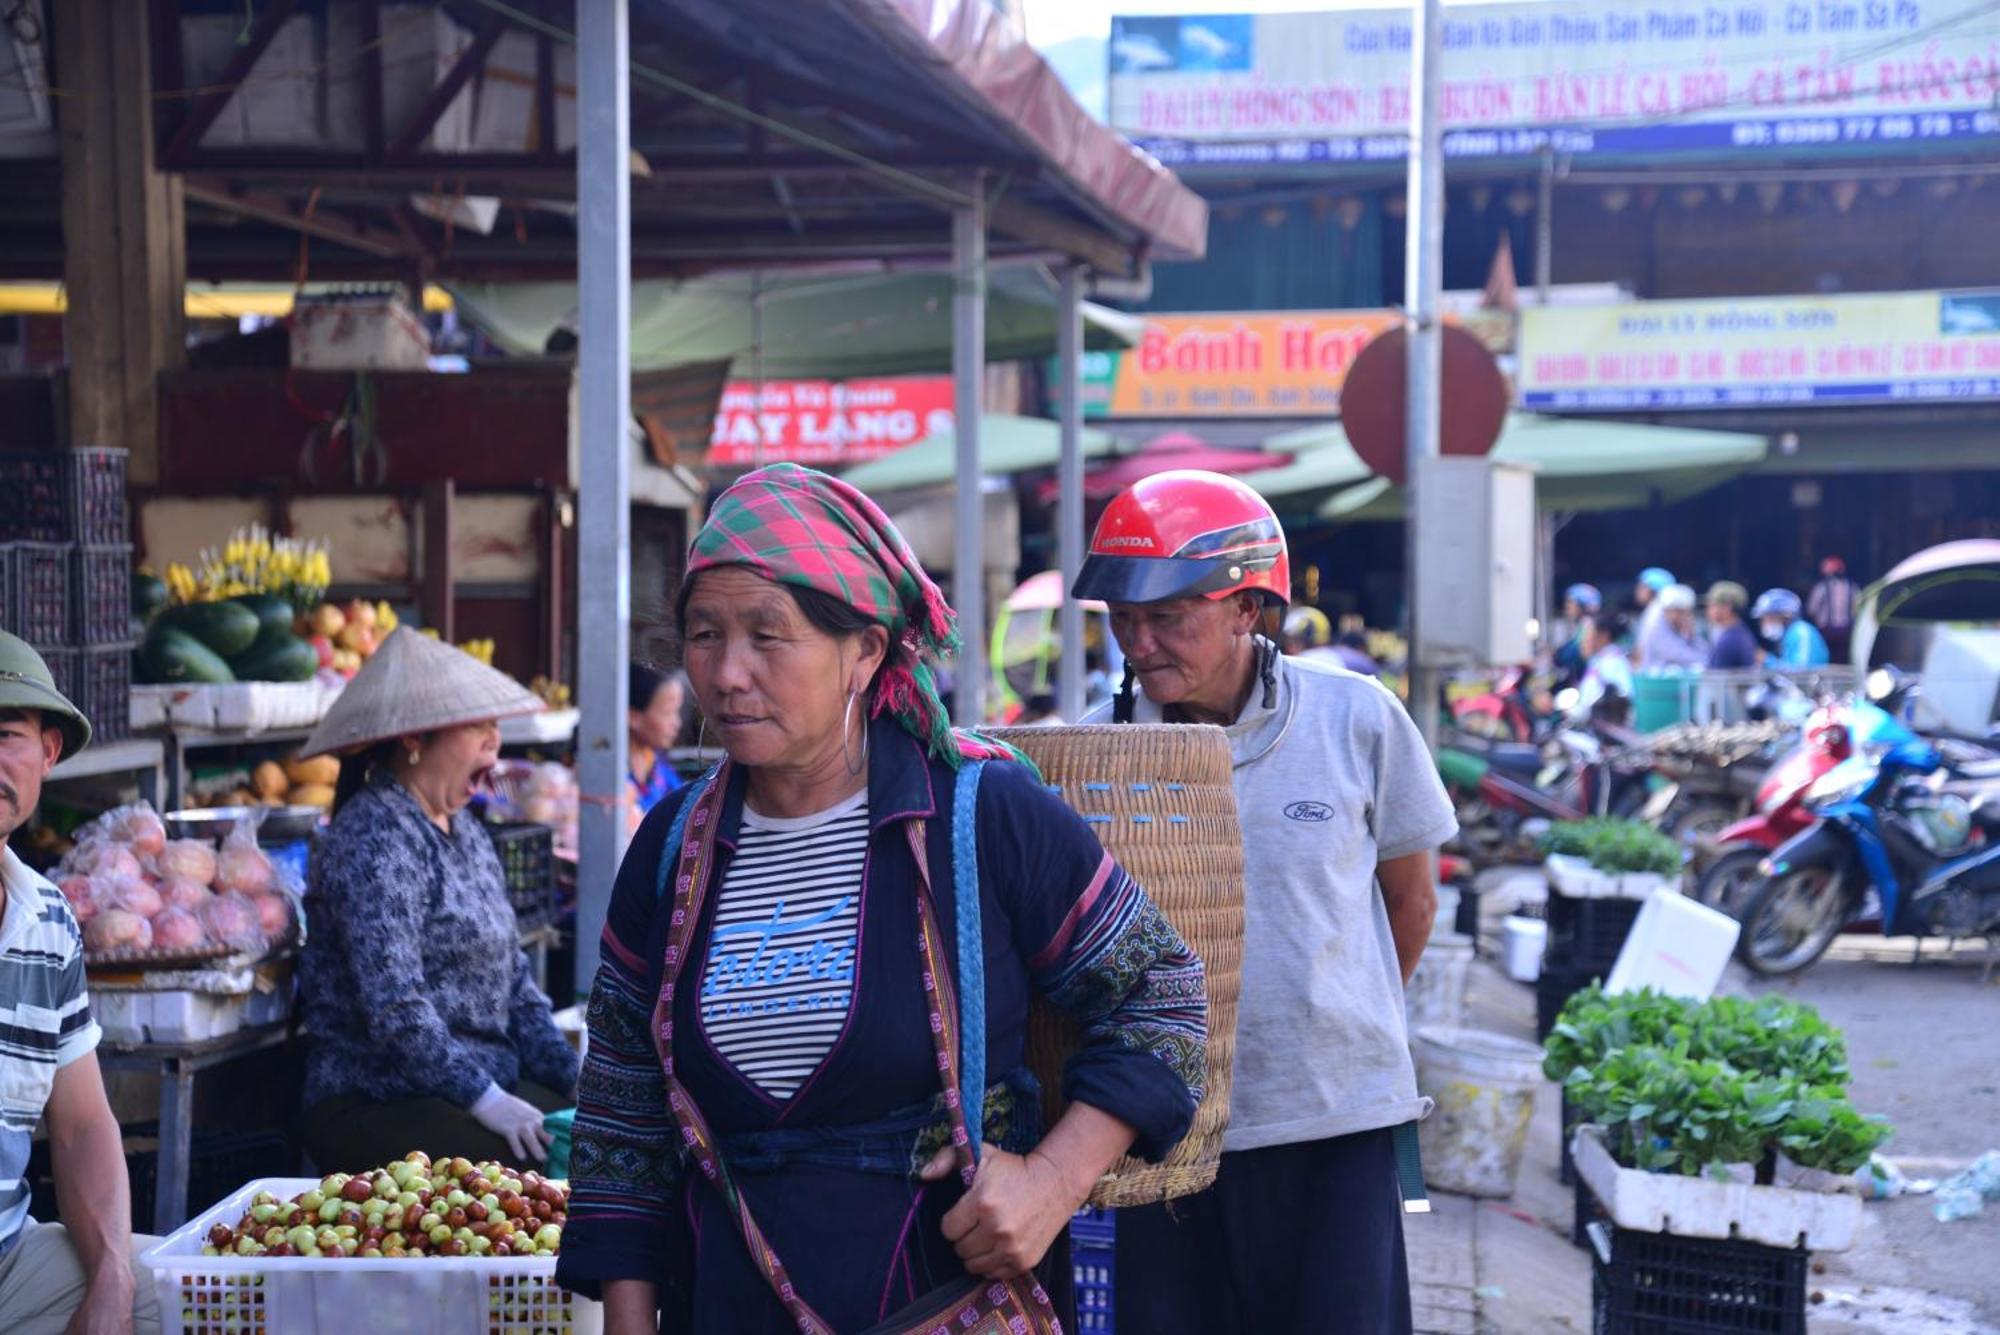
(1007, 444)
(1579, 466)
(817, 327)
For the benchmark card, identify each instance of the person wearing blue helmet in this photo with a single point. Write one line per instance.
(1579, 601)
(1646, 590)
(1795, 641)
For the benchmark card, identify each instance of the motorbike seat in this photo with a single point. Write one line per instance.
(1521, 760)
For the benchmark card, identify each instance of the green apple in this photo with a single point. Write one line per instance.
(312, 1200)
(330, 1210)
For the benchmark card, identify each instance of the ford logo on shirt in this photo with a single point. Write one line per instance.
(1309, 811)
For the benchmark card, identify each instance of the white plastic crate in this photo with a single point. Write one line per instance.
(290, 1295)
(1693, 1207)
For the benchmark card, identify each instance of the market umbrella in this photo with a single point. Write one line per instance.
(827, 326)
(1953, 581)
(1007, 444)
(1322, 461)
(1589, 466)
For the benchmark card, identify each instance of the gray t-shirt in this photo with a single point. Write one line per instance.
(1321, 1046)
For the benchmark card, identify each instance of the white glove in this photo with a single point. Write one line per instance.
(515, 1121)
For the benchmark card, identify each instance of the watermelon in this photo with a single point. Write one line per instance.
(149, 595)
(173, 655)
(225, 629)
(287, 658)
(274, 616)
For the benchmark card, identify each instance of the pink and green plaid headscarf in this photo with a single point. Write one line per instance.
(795, 525)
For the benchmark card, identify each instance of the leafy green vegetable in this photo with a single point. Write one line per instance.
(1613, 845)
(1680, 1085)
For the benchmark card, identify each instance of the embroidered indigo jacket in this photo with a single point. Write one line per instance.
(1060, 918)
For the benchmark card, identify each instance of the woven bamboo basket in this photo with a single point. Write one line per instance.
(1160, 800)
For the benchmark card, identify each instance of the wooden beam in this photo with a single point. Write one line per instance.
(209, 105)
(439, 581)
(279, 211)
(1047, 229)
(470, 62)
(546, 147)
(373, 133)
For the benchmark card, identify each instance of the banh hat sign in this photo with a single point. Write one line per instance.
(416, 684)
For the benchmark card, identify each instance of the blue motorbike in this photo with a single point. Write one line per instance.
(1903, 836)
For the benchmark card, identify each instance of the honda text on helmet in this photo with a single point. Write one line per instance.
(1176, 536)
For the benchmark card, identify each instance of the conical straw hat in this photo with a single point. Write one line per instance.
(416, 684)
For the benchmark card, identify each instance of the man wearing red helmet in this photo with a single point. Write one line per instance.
(1341, 807)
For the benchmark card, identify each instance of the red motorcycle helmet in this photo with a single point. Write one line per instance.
(1186, 533)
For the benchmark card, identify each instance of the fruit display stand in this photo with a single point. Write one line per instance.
(433, 1295)
(176, 1065)
(142, 758)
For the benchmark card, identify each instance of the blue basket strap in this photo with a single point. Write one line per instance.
(1410, 1170)
(670, 851)
(971, 948)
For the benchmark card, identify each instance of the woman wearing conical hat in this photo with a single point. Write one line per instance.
(425, 1026)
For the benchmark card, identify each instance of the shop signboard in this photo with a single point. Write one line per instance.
(1583, 78)
(1895, 347)
(823, 422)
(1232, 364)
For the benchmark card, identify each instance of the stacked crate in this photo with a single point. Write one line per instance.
(66, 575)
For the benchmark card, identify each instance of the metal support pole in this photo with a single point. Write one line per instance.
(1424, 284)
(604, 417)
(1545, 229)
(1069, 492)
(968, 372)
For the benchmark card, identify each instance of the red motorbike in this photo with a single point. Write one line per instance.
(1731, 874)
(1503, 713)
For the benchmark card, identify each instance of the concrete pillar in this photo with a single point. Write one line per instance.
(124, 236)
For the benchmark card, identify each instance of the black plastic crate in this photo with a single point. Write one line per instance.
(528, 861)
(63, 496)
(1467, 921)
(34, 592)
(101, 594)
(1659, 1284)
(1557, 984)
(103, 676)
(62, 664)
(218, 1163)
(1566, 1167)
(1589, 933)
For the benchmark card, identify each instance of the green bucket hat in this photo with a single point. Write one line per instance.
(25, 683)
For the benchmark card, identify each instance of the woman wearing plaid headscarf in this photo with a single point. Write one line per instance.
(764, 1139)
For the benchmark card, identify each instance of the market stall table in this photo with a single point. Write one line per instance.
(143, 757)
(177, 1064)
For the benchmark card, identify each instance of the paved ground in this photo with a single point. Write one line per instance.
(1924, 1043)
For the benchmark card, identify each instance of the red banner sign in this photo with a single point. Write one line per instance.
(826, 422)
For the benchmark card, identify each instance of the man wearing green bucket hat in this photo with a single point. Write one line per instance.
(76, 1276)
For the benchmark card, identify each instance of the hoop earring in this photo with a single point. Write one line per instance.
(853, 766)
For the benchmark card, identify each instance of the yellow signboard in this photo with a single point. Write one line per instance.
(1892, 347)
(1250, 364)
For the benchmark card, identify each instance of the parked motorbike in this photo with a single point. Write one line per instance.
(1832, 734)
(1505, 791)
(1505, 713)
(1893, 842)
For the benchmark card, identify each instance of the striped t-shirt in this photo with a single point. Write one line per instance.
(779, 978)
(45, 1022)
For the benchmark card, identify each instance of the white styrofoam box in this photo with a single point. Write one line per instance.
(1523, 944)
(1693, 1207)
(1572, 876)
(544, 729)
(280, 102)
(261, 706)
(314, 1296)
(1677, 945)
(358, 333)
(181, 1016)
(149, 707)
